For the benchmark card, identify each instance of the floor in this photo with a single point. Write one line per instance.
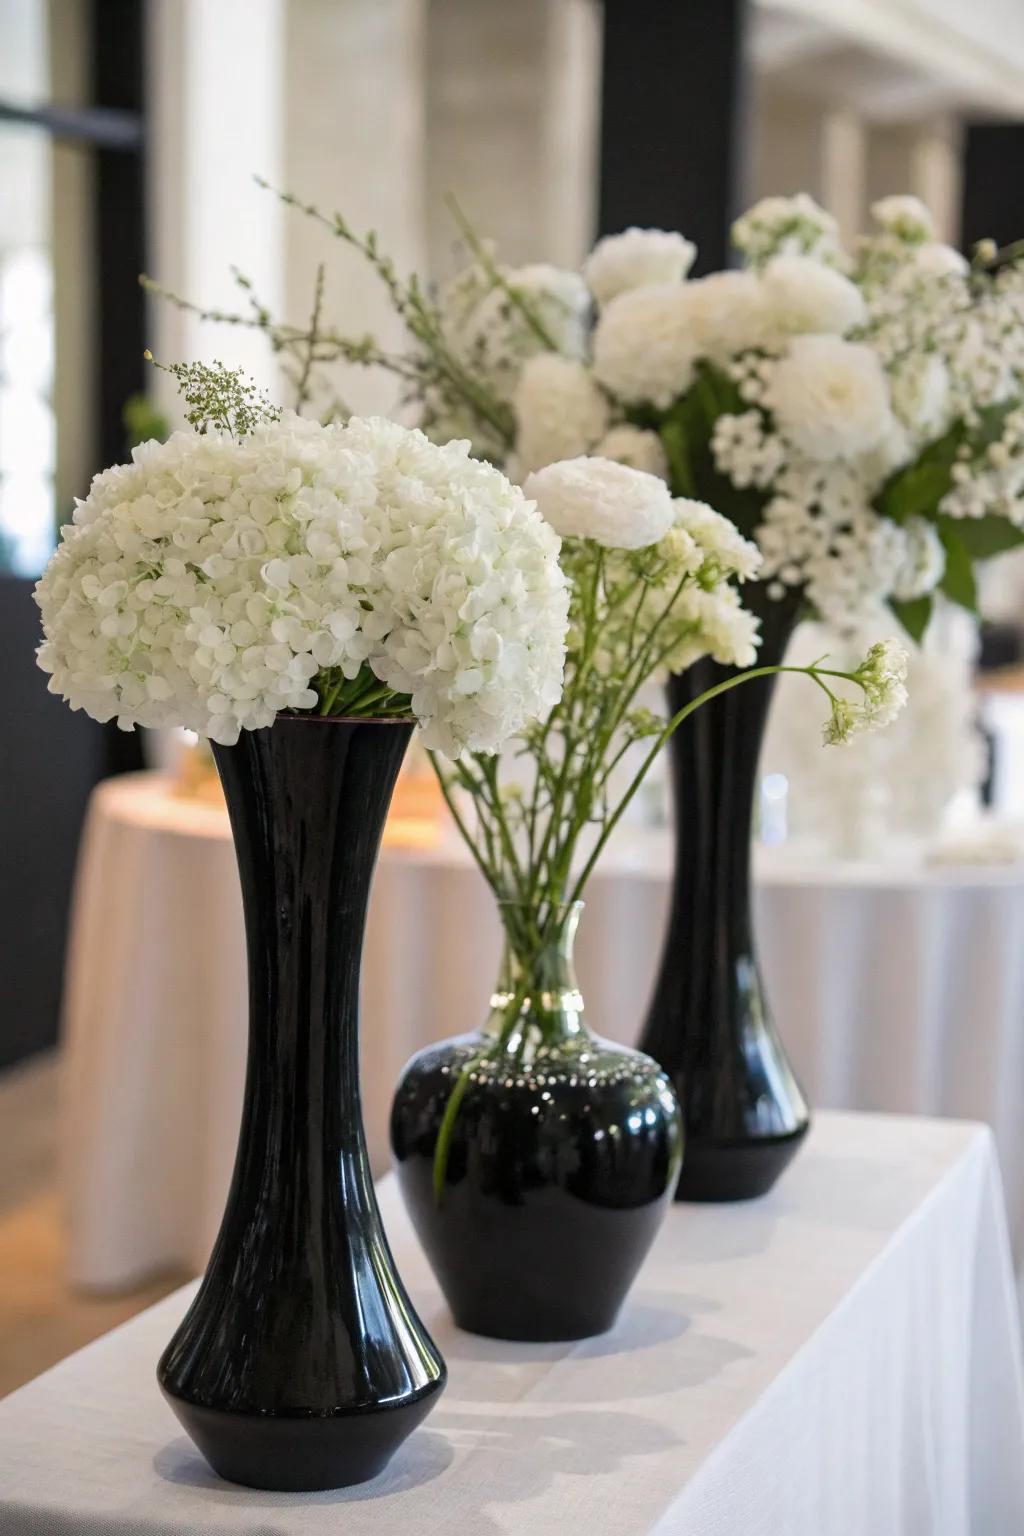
(41, 1319)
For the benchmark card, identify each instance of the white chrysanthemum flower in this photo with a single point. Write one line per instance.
(830, 398)
(801, 296)
(638, 447)
(645, 350)
(718, 538)
(728, 314)
(635, 259)
(591, 498)
(559, 409)
(905, 217)
(210, 583)
(493, 337)
(783, 226)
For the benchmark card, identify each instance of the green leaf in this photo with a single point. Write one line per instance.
(985, 536)
(958, 578)
(915, 615)
(675, 442)
(917, 490)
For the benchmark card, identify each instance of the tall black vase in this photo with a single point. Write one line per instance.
(301, 1363)
(709, 1024)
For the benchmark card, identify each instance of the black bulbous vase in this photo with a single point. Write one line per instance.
(709, 1023)
(301, 1363)
(558, 1165)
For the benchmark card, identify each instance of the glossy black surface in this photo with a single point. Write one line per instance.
(560, 1171)
(301, 1363)
(709, 1024)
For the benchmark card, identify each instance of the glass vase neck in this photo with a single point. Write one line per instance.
(537, 1000)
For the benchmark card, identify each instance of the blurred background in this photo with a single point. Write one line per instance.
(130, 133)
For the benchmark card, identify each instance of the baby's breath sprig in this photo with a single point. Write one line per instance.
(219, 397)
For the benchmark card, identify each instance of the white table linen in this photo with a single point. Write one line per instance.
(839, 1358)
(895, 988)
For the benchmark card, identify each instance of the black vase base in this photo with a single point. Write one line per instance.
(719, 1172)
(532, 1326)
(290, 1454)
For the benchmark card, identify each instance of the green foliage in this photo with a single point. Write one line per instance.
(915, 615)
(143, 422)
(917, 490)
(219, 397)
(983, 537)
(686, 432)
(958, 581)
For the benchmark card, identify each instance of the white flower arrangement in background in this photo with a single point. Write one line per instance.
(858, 413)
(278, 564)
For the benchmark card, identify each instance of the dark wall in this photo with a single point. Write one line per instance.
(49, 761)
(993, 196)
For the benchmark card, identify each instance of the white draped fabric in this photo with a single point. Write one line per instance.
(841, 1357)
(895, 989)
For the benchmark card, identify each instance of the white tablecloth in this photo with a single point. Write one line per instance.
(895, 989)
(841, 1358)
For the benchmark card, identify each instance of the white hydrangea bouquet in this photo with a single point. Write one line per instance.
(859, 414)
(267, 563)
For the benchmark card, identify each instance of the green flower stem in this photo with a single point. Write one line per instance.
(660, 741)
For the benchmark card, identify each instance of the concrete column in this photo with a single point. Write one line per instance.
(512, 120)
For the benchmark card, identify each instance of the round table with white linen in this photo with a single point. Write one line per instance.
(895, 988)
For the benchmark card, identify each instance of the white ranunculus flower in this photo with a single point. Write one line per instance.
(209, 584)
(635, 259)
(830, 398)
(801, 296)
(728, 314)
(645, 349)
(937, 260)
(560, 411)
(638, 447)
(905, 217)
(591, 498)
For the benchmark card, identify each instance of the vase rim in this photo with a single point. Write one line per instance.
(310, 719)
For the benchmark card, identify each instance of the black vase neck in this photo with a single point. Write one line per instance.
(709, 1024)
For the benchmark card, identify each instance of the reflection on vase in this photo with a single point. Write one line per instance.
(709, 1023)
(301, 1363)
(562, 1159)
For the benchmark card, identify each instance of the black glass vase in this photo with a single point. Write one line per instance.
(562, 1159)
(301, 1364)
(709, 1023)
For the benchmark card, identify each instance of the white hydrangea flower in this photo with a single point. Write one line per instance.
(638, 447)
(830, 398)
(728, 314)
(209, 584)
(801, 296)
(560, 411)
(645, 350)
(905, 217)
(592, 498)
(637, 258)
(784, 226)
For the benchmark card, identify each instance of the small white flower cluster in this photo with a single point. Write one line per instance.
(882, 677)
(214, 582)
(991, 480)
